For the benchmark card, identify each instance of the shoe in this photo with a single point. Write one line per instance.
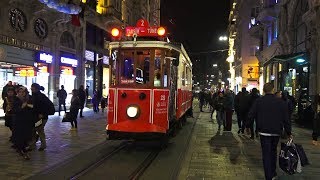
(239, 131)
(73, 129)
(315, 143)
(81, 116)
(26, 156)
(41, 149)
(251, 137)
(28, 149)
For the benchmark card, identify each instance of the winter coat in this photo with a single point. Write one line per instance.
(24, 119)
(74, 107)
(62, 95)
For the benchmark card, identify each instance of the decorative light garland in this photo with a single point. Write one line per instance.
(62, 6)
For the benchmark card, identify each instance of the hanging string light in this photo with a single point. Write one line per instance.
(62, 6)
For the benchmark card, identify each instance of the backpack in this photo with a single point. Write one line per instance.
(50, 109)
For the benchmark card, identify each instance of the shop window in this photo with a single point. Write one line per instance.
(127, 65)
(67, 40)
(143, 66)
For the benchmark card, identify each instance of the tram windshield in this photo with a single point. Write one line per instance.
(135, 67)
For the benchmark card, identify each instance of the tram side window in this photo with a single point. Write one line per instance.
(157, 71)
(184, 74)
(142, 69)
(127, 74)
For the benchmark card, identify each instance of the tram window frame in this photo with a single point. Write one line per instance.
(158, 54)
(121, 66)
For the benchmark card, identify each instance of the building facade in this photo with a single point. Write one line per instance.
(244, 66)
(40, 44)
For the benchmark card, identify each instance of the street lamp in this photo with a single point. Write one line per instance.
(223, 38)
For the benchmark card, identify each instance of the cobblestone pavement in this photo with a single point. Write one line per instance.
(61, 145)
(214, 154)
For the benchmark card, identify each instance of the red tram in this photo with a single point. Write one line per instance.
(151, 89)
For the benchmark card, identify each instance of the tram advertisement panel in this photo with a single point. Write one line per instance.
(111, 106)
(161, 107)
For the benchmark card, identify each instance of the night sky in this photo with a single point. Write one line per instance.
(198, 25)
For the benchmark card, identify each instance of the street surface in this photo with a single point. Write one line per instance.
(214, 155)
(198, 151)
(62, 144)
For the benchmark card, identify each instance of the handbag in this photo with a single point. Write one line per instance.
(288, 158)
(66, 117)
(302, 155)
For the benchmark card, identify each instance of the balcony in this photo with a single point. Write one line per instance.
(267, 14)
(256, 30)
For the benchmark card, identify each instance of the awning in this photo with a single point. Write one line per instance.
(284, 57)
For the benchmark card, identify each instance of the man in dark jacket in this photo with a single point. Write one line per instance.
(41, 112)
(242, 108)
(5, 89)
(271, 114)
(82, 97)
(62, 95)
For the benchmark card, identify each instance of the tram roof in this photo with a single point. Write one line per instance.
(151, 44)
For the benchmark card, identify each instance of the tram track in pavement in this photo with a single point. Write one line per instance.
(137, 166)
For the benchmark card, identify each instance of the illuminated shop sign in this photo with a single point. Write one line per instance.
(69, 61)
(66, 70)
(25, 72)
(47, 58)
(89, 55)
(42, 69)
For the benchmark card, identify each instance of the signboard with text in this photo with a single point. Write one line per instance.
(25, 72)
(66, 70)
(161, 107)
(142, 29)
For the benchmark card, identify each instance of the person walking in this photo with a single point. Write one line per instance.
(74, 109)
(41, 110)
(24, 122)
(316, 123)
(8, 107)
(201, 99)
(62, 95)
(103, 103)
(5, 89)
(254, 95)
(218, 104)
(243, 106)
(82, 98)
(95, 102)
(271, 114)
(228, 107)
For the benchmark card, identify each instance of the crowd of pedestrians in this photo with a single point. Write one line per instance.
(267, 117)
(26, 114)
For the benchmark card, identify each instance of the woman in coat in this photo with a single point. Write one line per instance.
(316, 123)
(74, 109)
(24, 121)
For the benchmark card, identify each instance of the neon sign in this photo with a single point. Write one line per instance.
(47, 58)
(69, 61)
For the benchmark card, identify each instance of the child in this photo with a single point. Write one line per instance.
(103, 104)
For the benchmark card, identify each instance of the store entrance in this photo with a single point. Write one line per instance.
(68, 82)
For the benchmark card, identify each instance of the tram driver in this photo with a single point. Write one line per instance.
(157, 81)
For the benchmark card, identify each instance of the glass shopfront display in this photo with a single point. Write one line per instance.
(67, 78)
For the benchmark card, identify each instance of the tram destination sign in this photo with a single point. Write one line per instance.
(142, 28)
(22, 44)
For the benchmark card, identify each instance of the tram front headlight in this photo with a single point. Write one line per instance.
(132, 111)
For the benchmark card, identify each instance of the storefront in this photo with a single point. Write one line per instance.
(68, 65)
(43, 61)
(89, 71)
(105, 76)
(97, 73)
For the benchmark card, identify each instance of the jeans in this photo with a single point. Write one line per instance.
(269, 155)
(221, 118)
(41, 133)
(64, 106)
(228, 120)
